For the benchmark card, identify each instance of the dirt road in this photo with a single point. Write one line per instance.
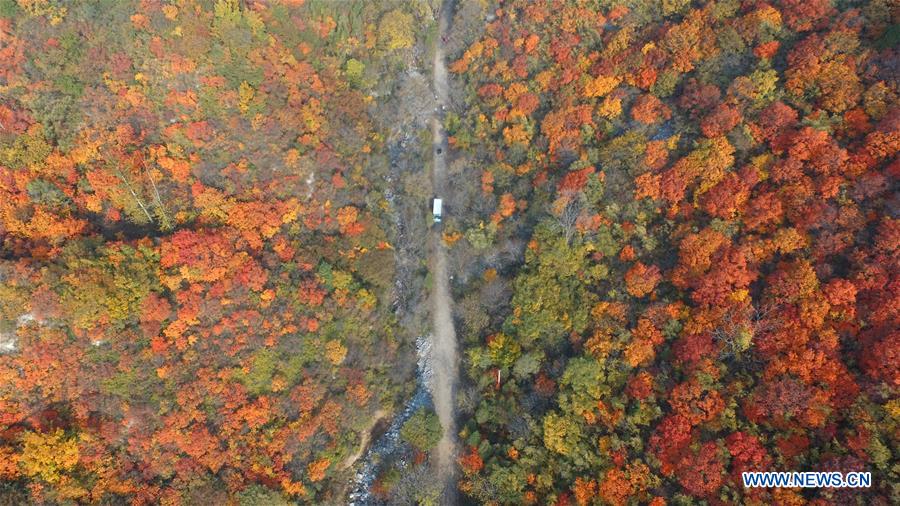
(444, 353)
(366, 435)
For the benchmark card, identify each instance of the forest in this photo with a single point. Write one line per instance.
(684, 260)
(672, 229)
(194, 252)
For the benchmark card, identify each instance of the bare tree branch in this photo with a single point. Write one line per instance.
(133, 194)
(159, 203)
(568, 215)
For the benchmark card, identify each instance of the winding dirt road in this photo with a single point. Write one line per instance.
(445, 357)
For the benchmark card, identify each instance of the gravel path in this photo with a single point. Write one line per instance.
(445, 358)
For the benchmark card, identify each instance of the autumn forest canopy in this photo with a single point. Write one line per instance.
(671, 226)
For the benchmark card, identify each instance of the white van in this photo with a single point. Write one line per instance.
(436, 208)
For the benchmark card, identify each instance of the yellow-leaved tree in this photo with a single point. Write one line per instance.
(395, 31)
(48, 454)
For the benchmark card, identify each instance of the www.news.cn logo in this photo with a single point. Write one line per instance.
(832, 479)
